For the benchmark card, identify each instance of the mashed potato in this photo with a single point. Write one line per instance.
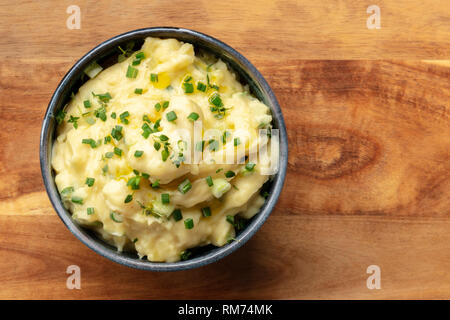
(157, 153)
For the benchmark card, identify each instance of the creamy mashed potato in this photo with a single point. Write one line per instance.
(124, 154)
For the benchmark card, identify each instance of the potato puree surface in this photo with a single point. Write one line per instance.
(87, 147)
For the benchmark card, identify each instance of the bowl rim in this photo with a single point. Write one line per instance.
(99, 247)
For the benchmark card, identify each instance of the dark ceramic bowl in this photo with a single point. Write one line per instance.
(106, 54)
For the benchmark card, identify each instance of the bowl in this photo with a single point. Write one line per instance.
(105, 54)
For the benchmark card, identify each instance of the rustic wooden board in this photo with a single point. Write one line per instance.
(368, 178)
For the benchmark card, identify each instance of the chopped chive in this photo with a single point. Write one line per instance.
(91, 142)
(116, 132)
(140, 55)
(138, 90)
(116, 217)
(103, 97)
(113, 115)
(206, 211)
(209, 181)
(250, 166)
(118, 151)
(128, 198)
(171, 116)
(90, 211)
(100, 113)
(154, 77)
(185, 255)
(216, 100)
(218, 170)
(155, 184)
(123, 117)
(145, 118)
(156, 125)
(165, 104)
(138, 153)
(177, 215)
(193, 116)
(134, 182)
(164, 155)
(230, 174)
(158, 106)
(60, 115)
(201, 86)
(188, 223)
(225, 136)
(165, 198)
(77, 200)
(187, 79)
(188, 87)
(109, 155)
(145, 175)
(230, 219)
(89, 182)
(237, 141)
(131, 72)
(87, 103)
(67, 190)
(185, 186)
(107, 139)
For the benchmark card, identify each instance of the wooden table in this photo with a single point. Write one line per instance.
(368, 181)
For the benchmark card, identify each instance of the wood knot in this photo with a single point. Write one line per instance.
(326, 152)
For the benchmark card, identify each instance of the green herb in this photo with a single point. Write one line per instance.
(90, 211)
(225, 136)
(89, 182)
(116, 132)
(67, 190)
(216, 100)
(146, 130)
(188, 223)
(158, 106)
(105, 169)
(230, 219)
(103, 97)
(87, 103)
(193, 116)
(237, 141)
(116, 217)
(201, 86)
(265, 194)
(218, 170)
(229, 174)
(145, 175)
(155, 184)
(60, 115)
(140, 55)
(209, 181)
(77, 200)
(138, 153)
(74, 120)
(206, 211)
(163, 137)
(157, 145)
(188, 87)
(185, 255)
(128, 198)
(138, 90)
(185, 186)
(165, 104)
(250, 166)
(107, 140)
(123, 117)
(171, 116)
(134, 182)
(135, 240)
(154, 77)
(165, 198)
(100, 113)
(109, 155)
(164, 154)
(91, 142)
(187, 79)
(177, 215)
(118, 151)
(131, 72)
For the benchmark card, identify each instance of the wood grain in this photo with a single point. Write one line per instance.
(368, 176)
